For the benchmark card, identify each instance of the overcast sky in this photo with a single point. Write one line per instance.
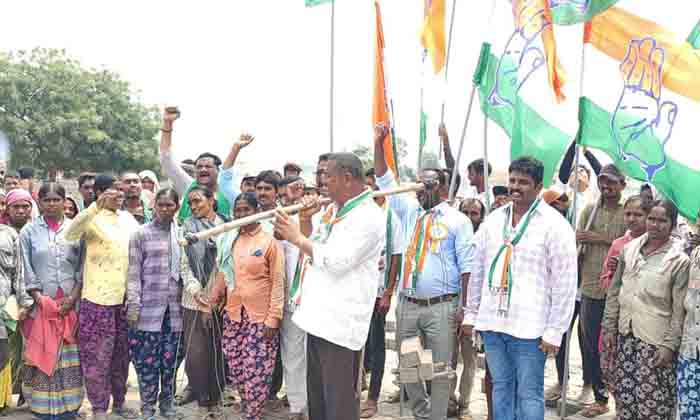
(263, 66)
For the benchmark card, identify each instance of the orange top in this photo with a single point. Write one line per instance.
(259, 270)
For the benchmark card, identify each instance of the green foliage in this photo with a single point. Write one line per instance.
(59, 115)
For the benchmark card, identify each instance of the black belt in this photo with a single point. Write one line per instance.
(433, 300)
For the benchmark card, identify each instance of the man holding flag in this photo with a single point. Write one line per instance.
(338, 287)
(437, 264)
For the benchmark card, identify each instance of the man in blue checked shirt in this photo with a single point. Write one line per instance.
(436, 267)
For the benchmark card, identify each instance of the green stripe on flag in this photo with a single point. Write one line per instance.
(423, 135)
(676, 181)
(694, 37)
(530, 134)
(569, 12)
(312, 3)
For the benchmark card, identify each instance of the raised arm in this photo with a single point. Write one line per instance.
(82, 224)
(180, 179)
(380, 133)
(227, 182)
(445, 139)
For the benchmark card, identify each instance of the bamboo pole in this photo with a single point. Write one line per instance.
(269, 214)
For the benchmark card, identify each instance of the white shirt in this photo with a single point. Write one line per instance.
(544, 277)
(340, 285)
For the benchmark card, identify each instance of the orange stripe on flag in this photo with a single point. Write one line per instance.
(532, 16)
(433, 33)
(380, 107)
(611, 32)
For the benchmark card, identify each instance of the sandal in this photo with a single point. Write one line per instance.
(594, 410)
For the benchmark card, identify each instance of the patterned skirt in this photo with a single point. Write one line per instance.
(642, 392)
(56, 397)
(689, 388)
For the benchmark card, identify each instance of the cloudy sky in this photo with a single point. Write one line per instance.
(263, 66)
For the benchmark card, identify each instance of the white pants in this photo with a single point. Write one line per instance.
(293, 348)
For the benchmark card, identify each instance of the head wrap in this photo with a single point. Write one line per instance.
(18, 194)
(152, 176)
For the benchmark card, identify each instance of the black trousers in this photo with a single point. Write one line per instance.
(332, 375)
(562, 349)
(591, 317)
(375, 354)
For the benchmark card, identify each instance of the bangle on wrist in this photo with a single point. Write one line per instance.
(166, 130)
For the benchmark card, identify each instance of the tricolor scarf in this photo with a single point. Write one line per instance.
(330, 218)
(502, 261)
(416, 253)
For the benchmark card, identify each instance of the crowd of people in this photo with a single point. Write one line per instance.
(126, 273)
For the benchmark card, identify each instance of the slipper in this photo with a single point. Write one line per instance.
(367, 412)
(594, 410)
(185, 398)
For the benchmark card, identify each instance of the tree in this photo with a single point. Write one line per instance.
(59, 115)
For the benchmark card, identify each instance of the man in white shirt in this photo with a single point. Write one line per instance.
(522, 292)
(338, 287)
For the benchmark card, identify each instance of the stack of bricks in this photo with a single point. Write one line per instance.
(416, 363)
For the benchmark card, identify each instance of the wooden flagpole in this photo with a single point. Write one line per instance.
(269, 214)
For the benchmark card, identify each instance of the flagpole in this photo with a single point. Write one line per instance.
(453, 178)
(574, 213)
(447, 66)
(420, 119)
(332, 81)
(486, 163)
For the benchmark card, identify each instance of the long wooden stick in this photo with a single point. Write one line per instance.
(269, 214)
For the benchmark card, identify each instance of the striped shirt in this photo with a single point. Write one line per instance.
(544, 277)
(151, 287)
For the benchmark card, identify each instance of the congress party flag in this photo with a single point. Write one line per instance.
(522, 85)
(641, 94)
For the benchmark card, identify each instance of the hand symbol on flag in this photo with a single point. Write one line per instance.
(522, 56)
(642, 124)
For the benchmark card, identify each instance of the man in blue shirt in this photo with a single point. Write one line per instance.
(436, 267)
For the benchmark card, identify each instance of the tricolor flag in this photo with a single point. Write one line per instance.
(380, 104)
(312, 3)
(433, 34)
(641, 94)
(522, 85)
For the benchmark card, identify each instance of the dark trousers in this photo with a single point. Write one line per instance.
(562, 349)
(591, 318)
(277, 377)
(375, 353)
(204, 361)
(331, 377)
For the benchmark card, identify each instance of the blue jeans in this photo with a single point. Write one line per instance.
(517, 371)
